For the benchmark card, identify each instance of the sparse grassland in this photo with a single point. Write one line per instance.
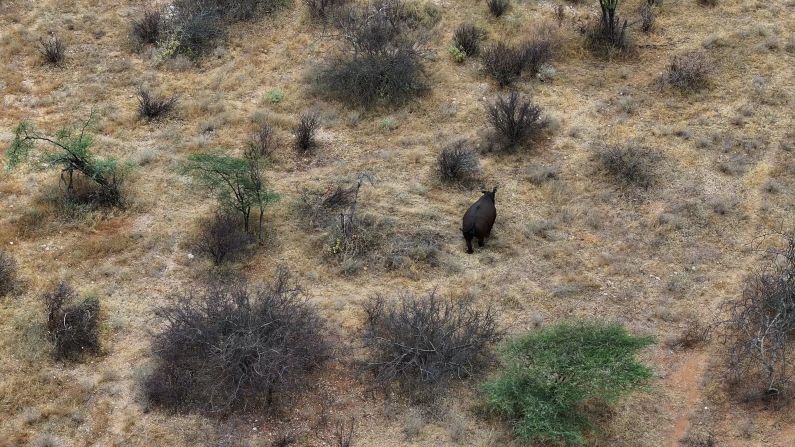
(572, 241)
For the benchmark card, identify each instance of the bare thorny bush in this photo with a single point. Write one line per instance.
(222, 237)
(506, 63)
(322, 10)
(422, 343)
(467, 38)
(261, 142)
(458, 162)
(320, 208)
(306, 131)
(147, 29)
(72, 325)
(354, 236)
(232, 348)
(344, 433)
(515, 120)
(8, 274)
(382, 54)
(630, 165)
(609, 35)
(760, 325)
(52, 50)
(152, 106)
(689, 71)
(192, 27)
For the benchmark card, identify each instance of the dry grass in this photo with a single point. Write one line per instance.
(597, 251)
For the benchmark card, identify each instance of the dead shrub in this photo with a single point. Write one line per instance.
(344, 433)
(151, 106)
(222, 238)
(382, 54)
(230, 348)
(648, 16)
(320, 208)
(8, 274)
(689, 71)
(260, 143)
(498, 7)
(458, 162)
(423, 343)
(693, 335)
(354, 239)
(538, 175)
(759, 330)
(537, 52)
(629, 165)
(322, 10)
(147, 30)
(506, 63)
(467, 38)
(72, 325)
(503, 62)
(52, 50)
(609, 34)
(305, 132)
(283, 441)
(420, 246)
(514, 119)
(702, 440)
(196, 31)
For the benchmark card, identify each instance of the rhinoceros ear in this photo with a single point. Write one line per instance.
(495, 190)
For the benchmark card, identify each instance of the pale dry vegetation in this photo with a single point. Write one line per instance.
(643, 153)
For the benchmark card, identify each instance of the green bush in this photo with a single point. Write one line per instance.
(70, 151)
(552, 373)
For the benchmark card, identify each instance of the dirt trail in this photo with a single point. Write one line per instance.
(688, 379)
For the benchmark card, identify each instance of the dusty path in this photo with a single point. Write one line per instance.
(688, 379)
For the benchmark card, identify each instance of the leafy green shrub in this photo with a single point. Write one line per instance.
(457, 55)
(551, 374)
(238, 183)
(73, 157)
(73, 326)
(274, 96)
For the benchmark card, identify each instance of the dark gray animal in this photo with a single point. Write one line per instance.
(479, 219)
